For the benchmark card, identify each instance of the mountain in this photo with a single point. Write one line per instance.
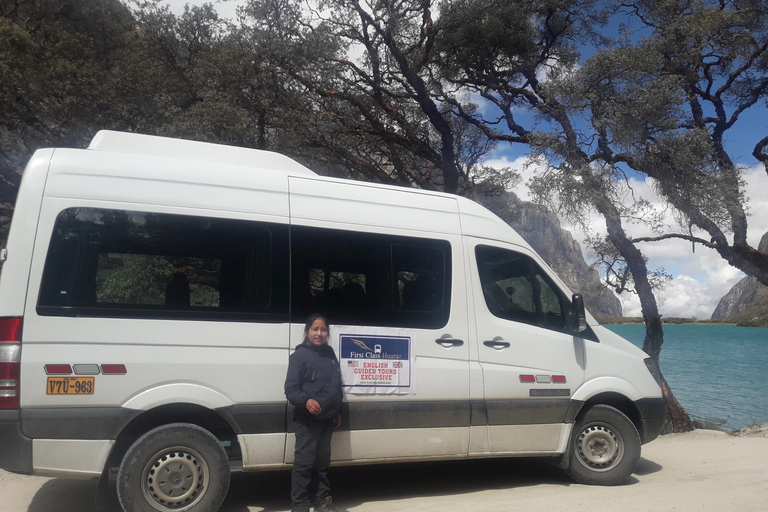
(747, 302)
(541, 228)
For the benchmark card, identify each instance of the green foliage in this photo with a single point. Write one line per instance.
(416, 93)
(57, 77)
(709, 423)
(55, 66)
(504, 43)
(132, 279)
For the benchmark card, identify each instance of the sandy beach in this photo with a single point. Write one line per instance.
(701, 470)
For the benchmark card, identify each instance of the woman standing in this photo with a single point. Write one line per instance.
(313, 387)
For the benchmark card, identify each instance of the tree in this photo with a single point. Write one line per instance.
(663, 106)
(173, 82)
(376, 89)
(55, 76)
(514, 55)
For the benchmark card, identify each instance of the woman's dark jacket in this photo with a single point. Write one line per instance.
(313, 372)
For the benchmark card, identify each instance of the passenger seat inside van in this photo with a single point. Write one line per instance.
(177, 290)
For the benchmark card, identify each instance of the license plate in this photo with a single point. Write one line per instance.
(70, 386)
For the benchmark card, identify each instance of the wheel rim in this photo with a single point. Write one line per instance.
(175, 479)
(598, 447)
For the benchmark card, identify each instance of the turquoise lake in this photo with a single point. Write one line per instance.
(715, 371)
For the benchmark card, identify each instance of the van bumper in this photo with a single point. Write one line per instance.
(653, 414)
(15, 448)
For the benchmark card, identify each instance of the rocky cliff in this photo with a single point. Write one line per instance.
(747, 301)
(541, 228)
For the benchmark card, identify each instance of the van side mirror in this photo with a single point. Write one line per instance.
(578, 315)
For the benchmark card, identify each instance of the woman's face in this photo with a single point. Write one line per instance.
(318, 332)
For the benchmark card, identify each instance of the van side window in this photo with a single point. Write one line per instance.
(515, 288)
(370, 279)
(128, 263)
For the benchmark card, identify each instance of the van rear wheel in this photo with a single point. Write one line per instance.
(176, 467)
(605, 447)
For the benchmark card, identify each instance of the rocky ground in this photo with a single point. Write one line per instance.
(756, 430)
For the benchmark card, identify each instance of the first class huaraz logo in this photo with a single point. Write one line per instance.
(375, 360)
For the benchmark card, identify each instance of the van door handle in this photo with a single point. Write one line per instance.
(497, 343)
(449, 342)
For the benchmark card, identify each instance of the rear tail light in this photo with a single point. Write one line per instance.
(10, 362)
(10, 330)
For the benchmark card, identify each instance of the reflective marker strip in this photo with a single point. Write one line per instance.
(86, 369)
(58, 369)
(113, 369)
(543, 379)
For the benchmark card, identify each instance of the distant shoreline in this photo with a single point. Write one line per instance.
(607, 320)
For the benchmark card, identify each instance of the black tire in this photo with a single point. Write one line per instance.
(176, 467)
(604, 448)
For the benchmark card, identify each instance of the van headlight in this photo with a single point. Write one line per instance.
(653, 367)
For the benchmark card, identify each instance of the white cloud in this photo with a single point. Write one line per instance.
(700, 277)
(687, 297)
(757, 191)
(225, 8)
(523, 166)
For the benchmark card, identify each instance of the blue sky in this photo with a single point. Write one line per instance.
(700, 278)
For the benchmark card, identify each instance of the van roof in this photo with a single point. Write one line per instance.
(475, 219)
(152, 145)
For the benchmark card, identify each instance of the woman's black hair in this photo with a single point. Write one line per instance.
(311, 320)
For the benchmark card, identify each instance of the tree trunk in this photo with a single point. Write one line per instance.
(675, 412)
(421, 92)
(654, 338)
(654, 333)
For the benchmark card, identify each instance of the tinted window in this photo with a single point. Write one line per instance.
(515, 288)
(129, 263)
(370, 279)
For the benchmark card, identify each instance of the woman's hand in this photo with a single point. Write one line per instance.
(313, 407)
(337, 421)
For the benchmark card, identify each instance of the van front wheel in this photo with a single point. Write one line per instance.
(176, 467)
(605, 447)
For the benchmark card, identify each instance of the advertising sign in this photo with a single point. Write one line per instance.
(375, 363)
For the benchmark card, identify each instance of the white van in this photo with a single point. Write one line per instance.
(152, 290)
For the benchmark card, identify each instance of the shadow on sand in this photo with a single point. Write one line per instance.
(353, 485)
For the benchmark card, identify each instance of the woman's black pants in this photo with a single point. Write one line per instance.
(311, 459)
